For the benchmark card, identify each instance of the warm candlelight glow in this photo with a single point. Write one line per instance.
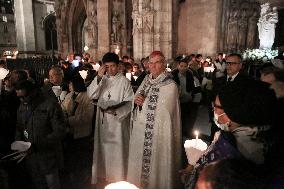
(117, 50)
(86, 48)
(196, 134)
(121, 185)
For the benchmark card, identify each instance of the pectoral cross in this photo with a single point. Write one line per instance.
(108, 95)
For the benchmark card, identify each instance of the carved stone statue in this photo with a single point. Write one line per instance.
(116, 26)
(135, 5)
(146, 4)
(93, 27)
(148, 23)
(242, 29)
(232, 32)
(252, 29)
(266, 26)
(138, 23)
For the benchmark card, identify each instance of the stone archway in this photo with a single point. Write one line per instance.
(50, 30)
(76, 17)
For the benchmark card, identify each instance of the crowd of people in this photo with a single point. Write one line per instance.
(117, 120)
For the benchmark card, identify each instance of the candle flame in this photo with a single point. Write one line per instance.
(196, 133)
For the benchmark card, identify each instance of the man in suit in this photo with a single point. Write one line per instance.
(234, 72)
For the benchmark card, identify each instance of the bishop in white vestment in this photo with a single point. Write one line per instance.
(155, 139)
(114, 94)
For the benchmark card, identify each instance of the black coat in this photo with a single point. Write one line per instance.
(9, 103)
(189, 79)
(43, 120)
(219, 83)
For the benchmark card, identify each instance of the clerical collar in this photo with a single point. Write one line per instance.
(233, 76)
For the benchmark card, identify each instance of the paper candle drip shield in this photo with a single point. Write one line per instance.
(209, 69)
(20, 146)
(3, 73)
(194, 149)
(121, 185)
(96, 66)
(83, 74)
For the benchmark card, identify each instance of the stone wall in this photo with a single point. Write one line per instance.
(198, 26)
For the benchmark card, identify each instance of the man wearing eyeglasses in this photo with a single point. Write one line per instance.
(233, 66)
(234, 72)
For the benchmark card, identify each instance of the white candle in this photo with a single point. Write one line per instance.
(167, 65)
(196, 134)
(196, 137)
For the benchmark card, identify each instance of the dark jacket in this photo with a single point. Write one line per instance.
(189, 79)
(43, 120)
(9, 103)
(48, 92)
(219, 83)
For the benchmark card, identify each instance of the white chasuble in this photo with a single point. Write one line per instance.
(155, 136)
(112, 129)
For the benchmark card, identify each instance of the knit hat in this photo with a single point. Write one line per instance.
(110, 57)
(248, 102)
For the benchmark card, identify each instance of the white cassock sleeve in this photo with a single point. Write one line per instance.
(94, 89)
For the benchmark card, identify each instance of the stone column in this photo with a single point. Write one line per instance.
(152, 27)
(137, 35)
(25, 26)
(104, 27)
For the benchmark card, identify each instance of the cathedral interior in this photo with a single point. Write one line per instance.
(38, 35)
(133, 27)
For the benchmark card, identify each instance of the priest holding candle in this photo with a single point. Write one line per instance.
(244, 112)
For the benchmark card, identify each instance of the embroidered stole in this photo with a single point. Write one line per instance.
(152, 89)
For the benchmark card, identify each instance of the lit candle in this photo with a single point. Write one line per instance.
(117, 50)
(167, 65)
(86, 48)
(194, 149)
(196, 134)
(196, 137)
